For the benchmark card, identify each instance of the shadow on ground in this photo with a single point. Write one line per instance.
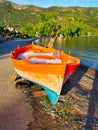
(77, 108)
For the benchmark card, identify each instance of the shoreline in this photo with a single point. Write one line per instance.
(7, 46)
(76, 108)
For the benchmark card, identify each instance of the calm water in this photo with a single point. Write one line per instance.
(85, 48)
(7, 46)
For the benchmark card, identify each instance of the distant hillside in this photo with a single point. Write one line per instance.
(15, 15)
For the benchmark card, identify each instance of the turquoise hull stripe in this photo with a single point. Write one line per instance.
(53, 96)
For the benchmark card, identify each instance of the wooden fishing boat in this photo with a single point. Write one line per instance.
(47, 67)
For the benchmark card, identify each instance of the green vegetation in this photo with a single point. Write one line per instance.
(54, 21)
(54, 25)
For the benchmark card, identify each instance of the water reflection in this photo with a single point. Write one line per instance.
(85, 48)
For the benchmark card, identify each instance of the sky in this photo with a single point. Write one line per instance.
(48, 3)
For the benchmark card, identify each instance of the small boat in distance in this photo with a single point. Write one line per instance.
(47, 67)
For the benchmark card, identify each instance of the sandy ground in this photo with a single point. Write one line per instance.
(15, 111)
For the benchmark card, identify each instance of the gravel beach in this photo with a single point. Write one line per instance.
(77, 108)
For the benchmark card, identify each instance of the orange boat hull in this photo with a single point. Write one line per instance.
(50, 76)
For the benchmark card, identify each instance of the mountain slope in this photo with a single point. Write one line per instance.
(16, 15)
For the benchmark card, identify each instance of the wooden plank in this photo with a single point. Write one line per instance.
(14, 76)
(39, 93)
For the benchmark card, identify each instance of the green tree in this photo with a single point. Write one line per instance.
(52, 25)
(29, 30)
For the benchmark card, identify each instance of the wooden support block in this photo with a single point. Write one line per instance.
(14, 76)
(39, 93)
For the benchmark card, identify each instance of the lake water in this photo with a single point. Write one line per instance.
(7, 46)
(85, 48)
